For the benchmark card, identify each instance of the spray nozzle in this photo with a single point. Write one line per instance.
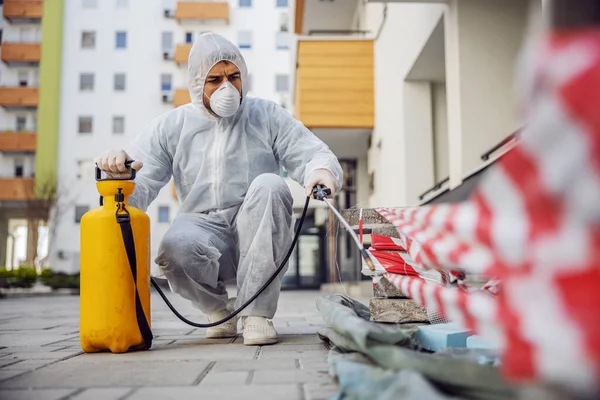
(321, 192)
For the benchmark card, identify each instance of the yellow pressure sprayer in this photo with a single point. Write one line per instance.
(115, 270)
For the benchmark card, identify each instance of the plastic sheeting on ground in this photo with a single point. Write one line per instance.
(380, 361)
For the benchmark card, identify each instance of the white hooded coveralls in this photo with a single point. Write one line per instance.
(235, 219)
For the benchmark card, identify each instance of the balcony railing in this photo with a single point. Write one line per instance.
(23, 10)
(19, 97)
(181, 97)
(18, 142)
(202, 10)
(21, 53)
(16, 189)
(182, 52)
(335, 83)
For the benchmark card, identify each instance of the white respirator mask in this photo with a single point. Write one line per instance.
(225, 101)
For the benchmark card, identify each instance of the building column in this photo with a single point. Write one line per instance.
(32, 241)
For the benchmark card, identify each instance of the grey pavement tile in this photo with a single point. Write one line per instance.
(293, 347)
(46, 394)
(27, 365)
(201, 341)
(19, 339)
(6, 374)
(45, 355)
(102, 394)
(273, 355)
(9, 361)
(233, 392)
(109, 373)
(225, 378)
(255, 365)
(213, 352)
(290, 376)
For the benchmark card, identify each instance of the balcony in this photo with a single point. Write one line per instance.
(202, 10)
(182, 51)
(21, 53)
(23, 11)
(181, 97)
(18, 142)
(334, 84)
(19, 97)
(16, 189)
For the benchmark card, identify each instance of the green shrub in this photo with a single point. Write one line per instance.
(5, 278)
(59, 280)
(25, 277)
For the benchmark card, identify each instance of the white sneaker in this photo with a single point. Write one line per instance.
(258, 331)
(225, 330)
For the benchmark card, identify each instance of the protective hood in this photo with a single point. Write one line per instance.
(208, 50)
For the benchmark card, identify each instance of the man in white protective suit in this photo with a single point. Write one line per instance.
(224, 151)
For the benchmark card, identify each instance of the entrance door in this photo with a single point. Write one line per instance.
(306, 266)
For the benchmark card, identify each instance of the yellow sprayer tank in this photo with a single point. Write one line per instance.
(115, 307)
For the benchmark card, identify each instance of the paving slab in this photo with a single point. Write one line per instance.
(45, 394)
(232, 392)
(41, 357)
(69, 374)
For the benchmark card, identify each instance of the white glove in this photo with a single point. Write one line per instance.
(113, 163)
(322, 177)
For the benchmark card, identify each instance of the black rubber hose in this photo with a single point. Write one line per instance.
(247, 303)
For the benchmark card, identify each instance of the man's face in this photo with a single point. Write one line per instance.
(221, 72)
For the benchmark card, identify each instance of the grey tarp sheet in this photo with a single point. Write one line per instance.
(383, 361)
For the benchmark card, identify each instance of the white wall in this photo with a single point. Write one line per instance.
(402, 39)
(143, 64)
(483, 40)
(440, 130)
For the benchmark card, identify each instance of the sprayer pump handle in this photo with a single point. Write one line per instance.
(321, 192)
(129, 178)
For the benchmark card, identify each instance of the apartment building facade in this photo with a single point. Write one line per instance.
(124, 64)
(30, 53)
(427, 88)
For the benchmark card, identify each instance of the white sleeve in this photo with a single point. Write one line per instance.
(150, 147)
(299, 150)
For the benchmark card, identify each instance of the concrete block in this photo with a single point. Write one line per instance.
(396, 310)
(369, 215)
(385, 288)
(479, 342)
(441, 336)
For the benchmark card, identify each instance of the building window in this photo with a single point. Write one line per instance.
(245, 39)
(189, 37)
(21, 124)
(88, 39)
(79, 211)
(86, 82)
(282, 3)
(283, 41)
(163, 214)
(167, 41)
(281, 83)
(245, 3)
(121, 40)
(85, 125)
(19, 167)
(165, 82)
(23, 77)
(89, 3)
(284, 24)
(118, 125)
(122, 3)
(119, 82)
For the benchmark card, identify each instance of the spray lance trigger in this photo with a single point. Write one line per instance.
(321, 192)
